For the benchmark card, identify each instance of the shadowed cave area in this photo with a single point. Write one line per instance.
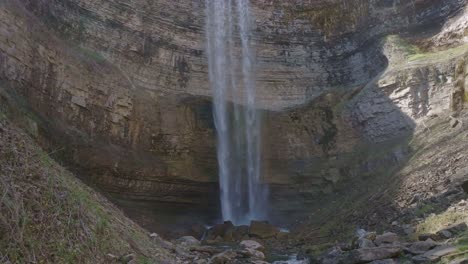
(361, 107)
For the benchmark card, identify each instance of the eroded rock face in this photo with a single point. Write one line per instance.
(124, 87)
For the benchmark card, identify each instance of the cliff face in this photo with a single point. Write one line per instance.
(121, 88)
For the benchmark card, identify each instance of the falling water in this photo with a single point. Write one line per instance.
(231, 71)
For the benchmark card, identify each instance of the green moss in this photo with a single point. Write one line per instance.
(437, 222)
(404, 45)
(425, 209)
(440, 55)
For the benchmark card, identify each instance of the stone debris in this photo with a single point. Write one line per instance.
(388, 248)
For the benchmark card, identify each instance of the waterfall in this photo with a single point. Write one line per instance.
(237, 120)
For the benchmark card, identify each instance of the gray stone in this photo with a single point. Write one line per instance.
(365, 243)
(378, 253)
(386, 238)
(445, 234)
(438, 252)
(421, 247)
(251, 244)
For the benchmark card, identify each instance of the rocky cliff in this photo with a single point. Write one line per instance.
(119, 89)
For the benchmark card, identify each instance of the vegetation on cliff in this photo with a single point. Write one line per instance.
(48, 216)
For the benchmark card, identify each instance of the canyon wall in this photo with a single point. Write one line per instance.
(119, 90)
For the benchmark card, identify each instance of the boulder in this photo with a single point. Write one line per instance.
(421, 247)
(218, 230)
(386, 238)
(240, 232)
(444, 234)
(251, 244)
(435, 254)
(262, 229)
(426, 236)
(455, 229)
(377, 253)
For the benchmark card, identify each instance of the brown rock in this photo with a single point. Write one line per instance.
(240, 232)
(218, 230)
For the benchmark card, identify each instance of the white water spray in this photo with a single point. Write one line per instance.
(231, 71)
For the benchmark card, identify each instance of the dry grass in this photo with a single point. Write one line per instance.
(48, 216)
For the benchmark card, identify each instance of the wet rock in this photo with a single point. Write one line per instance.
(218, 230)
(251, 244)
(240, 232)
(263, 229)
(197, 231)
(225, 257)
(386, 238)
(421, 247)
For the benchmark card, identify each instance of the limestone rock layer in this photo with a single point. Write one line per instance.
(119, 89)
